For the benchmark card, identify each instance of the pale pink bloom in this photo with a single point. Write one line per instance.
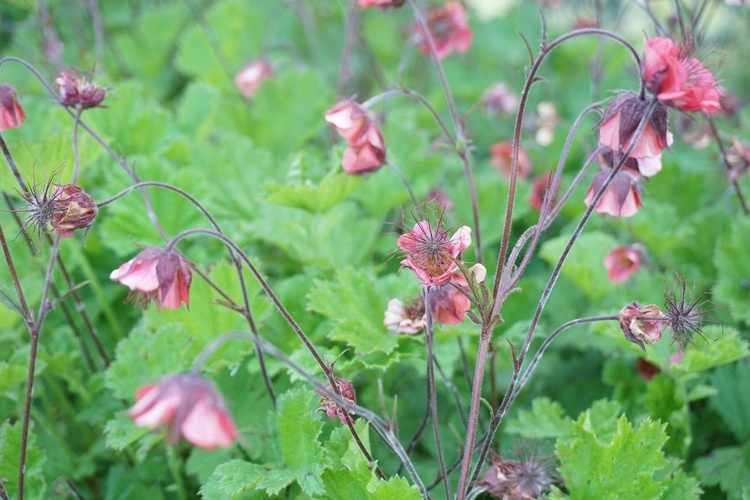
(637, 327)
(405, 319)
(367, 155)
(621, 263)
(620, 122)
(248, 79)
(189, 406)
(676, 357)
(366, 148)
(449, 302)
(500, 158)
(621, 198)
(332, 408)
(11, 112)
(449, 28)
(499, 100)
(539, 187)
(430, 253)
(380, 3)
(159, 275)
(74, 209)
(678, 79)
(76, 91)
(546, 122)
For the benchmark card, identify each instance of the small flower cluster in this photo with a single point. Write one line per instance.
(331, 408)
(366, 150)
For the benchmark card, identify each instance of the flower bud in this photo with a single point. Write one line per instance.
(77, 92)
(11, 112)
(332, 408)
(74, 209)
(249, 78)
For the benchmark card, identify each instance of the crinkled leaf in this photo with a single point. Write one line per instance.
(731, 401)
(728, 468)
(546, 420)
(10, 449)
(315, 198)
(731, 259)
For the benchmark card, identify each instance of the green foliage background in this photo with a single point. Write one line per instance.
(269, 171)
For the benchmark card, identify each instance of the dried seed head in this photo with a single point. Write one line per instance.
(685, 313)
(523, 479)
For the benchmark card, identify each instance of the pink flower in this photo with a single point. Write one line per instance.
(621, 263)
(189, 406)
(647, 370)
(637, 327)
(159, 275)
(11, 112)
(538, 189)
(74, 209)
(77, 92)
(449, 29)
(430, 253)
(366, 151)
(405, 319)
(678, 79)
(619, 124)
(450, 302)
(621, 198)
(332, 408)
(380, 3)
(249, 78)
(500, 158)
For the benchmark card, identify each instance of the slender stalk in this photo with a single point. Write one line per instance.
(174, 468)
(518, 362)
(350, 32)
(530, 80)
(397, 171)
(431, 387)
(25, 311)
(77, 167)
(727, 166)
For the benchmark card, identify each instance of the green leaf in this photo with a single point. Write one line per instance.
(355, 300)
(732, 384)
(546, 420)
(299, 427)
(733, 287)
(680, 486)
(10, 451)
(727, 468)
(584, 265)
(620, 467)
(316, 198)
(396, 488)
(720, 345)
(232, 479)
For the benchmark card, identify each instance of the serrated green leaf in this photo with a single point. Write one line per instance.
(232, 480)
(121, 432)
(315, 198)
(546, 420)
(720, 345)
(680, 486)
(733, 287)
(622, 467)
(732, 384)
(10, 451)
(726, 468)
(396, 488)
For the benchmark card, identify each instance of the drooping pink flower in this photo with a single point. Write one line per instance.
(619, 124)
(366, 148)
(408, 318)
(647, 370)
(449, 28)
(500, 158)
(332, 408)
(539, 187)
(430, 253)
(11, 112)
(159, 275)
(73, 209)
(636, 325)
(188, 405)
(249, 78)
(450, 302)
(622, 263)
(678, 79)
(380, 3)
(621, 198)
(76, 91)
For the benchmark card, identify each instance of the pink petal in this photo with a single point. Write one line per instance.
(137, 275)
(208, 427)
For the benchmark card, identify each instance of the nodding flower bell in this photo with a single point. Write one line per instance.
(622, 197)
(636, 325)
(366, 151)
(188, 405)
(11, 112)
(501, 155)
(76, 91)
(622, 262)
(678, 79)
(159, 275)
(248, 79)
(620, 122)
(449, 28)
(409, 319)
